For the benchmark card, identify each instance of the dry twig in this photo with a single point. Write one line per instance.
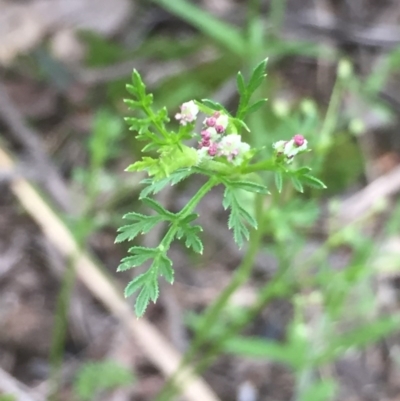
(381, 188)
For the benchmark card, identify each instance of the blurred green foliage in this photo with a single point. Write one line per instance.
(96, 377)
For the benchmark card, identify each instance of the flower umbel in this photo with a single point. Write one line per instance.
(214, 142)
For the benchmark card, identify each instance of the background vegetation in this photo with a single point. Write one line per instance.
(306, 310)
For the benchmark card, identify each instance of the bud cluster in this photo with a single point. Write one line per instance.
(289, 149)
(215, 140)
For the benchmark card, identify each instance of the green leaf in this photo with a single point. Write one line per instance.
(237, 217)
(180, 175)
(135, 284)
(257, 76)
(219, 31)
(192, 239)
(320, 391)
(133, 261)
(171, 159)
(250, 186)
(151, 203)
(228, 197)
(155, 186)
(165, 268)
(302, 170)
(278, 181)
(190, 233)
(241, 85)
(149, 164)
(313, 182)
(143, 225)
(244, 214)
(152, 288)
(256, 347)
(214, 105)
(189, 218)
(134, 105)
(142, 302)
(240, 231)
(239, 124)
(132, 90)
(358, 337)
(138, 83)
(297, 184)
(94, 377)
(254, 107)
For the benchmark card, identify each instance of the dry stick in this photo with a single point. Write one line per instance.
(358, 204)
(10, 385)
(155, 346)
(29, 138)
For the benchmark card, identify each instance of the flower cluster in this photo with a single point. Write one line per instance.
(289, 149)
(215, 140)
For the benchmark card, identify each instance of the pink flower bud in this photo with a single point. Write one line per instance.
(205, 134)
(210, 122)
(220, 129)
(205, 142)
(298, 140)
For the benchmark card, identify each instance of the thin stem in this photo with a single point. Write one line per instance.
(214, 311)
(278, 287)
(190, 206)
(277, 15)
(197, 197)
(152, 116)
(329, 124)
(241, 275)
(266, 165)
(60, 326)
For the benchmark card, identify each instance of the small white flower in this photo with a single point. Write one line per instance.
(188, 114)
(296, 145)
(291, 149)
(232, 147)
(279, 146)
(203, 153)
(211, 133)
(222, 121)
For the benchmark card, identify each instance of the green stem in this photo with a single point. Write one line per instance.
(152, 116)
(214, 311)
(197, 197)
(59, 332)
(276, 16)
(241, 275)
(266, 165)
(329, 124)
(190, 206)
(279, 286)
